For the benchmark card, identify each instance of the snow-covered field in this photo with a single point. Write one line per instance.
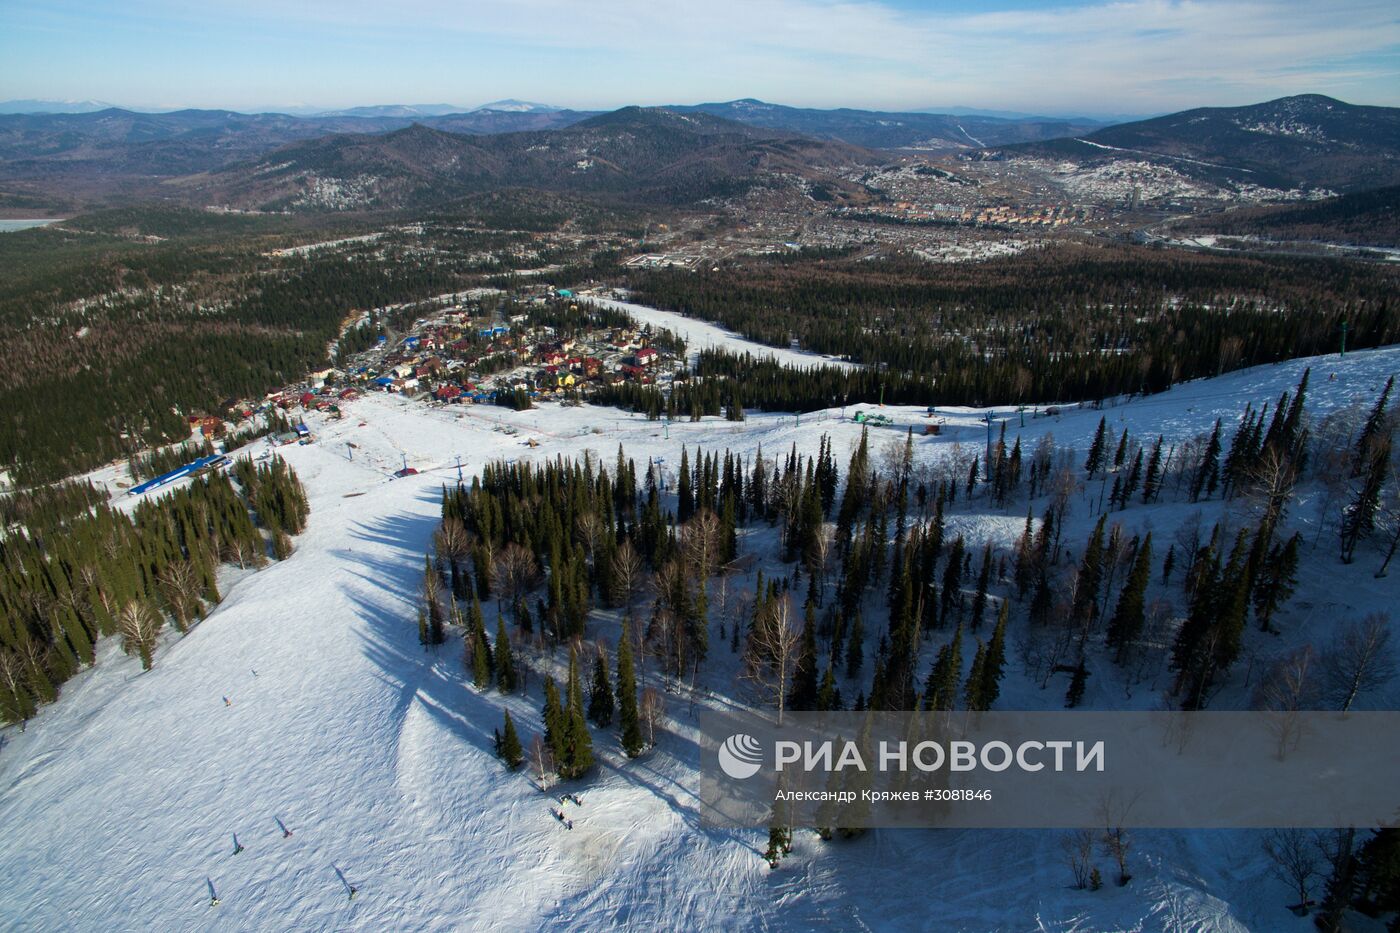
(119, 804)
(702, 335)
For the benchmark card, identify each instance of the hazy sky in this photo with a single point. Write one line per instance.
(1131, 56)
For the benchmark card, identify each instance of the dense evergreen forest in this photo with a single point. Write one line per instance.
(1066, 324)
(74, 570)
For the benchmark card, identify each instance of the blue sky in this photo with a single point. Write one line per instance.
(1129, 56)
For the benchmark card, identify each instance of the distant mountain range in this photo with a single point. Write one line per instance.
(1308, 141)
(112, 155)
(637, 154)
(880, 130)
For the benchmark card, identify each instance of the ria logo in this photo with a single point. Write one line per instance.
(740, 756)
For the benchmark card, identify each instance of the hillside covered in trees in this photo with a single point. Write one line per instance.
(1068, 323)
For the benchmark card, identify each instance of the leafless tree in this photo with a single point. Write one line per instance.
(541, 760)
(771, 657)
(652, 710)
(92, 581)
(513, 573)
(700, 544)
(1063, 485)
(1358, 661)
(453, 542)
(626, 574)
(822, 553)
(13, 680)
(245, 554)
(1286, 690)
(1113, 814)
(1270, 486)
(1295, 859)
(1188, 542)
(139, 626)
(590, 529)
(179, 584)
(896, 456)
(1078, 846)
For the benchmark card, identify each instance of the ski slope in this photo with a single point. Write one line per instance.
(702, 335)
(119, 803)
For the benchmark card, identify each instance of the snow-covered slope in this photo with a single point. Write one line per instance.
(119, 803)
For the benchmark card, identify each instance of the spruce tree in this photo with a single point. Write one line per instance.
(855, 648)
(941, 688)
(1208, 473)
(1085, 610)
(555, 724)
(1129, 615)
(1371, 430)
(510, 751)
(996, 659)
(803, 693)
(578, 742)
(505, 661)
(1094, 462)
(600, 695)
(685, 499)
(972, 690)
(1075, 694)
(1274, 581)
(984, 576)
(629, 721)
(1152, 482)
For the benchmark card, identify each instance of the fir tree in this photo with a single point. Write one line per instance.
(1360, 516)
(505, 662)
(555, 723)
(600, 695)
(855, 648)
(984, 576)
(996, 659)
(1121, 454)
(510, 750)
(1208, 473)
(1275, 579)
(685, 498)
(578, 743)
(1075, 694)
(941, 688)
(1129, 615)
(803, 693)
(481, 654)
(1372, 430)
(972, 690)
(1094, 462)
(629, 721)
(1152, 482)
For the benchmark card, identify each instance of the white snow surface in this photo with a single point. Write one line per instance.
(119, 802)
(702, 335)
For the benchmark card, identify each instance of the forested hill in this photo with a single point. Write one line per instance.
(1307, 141)
(1367, 218)
(1061, 324)
(635, 154)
